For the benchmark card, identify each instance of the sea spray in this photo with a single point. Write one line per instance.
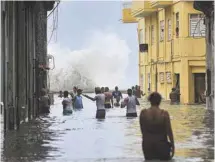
(102, 62)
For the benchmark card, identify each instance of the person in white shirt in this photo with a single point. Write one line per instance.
(67, 103)
(130, 102)
(100, 101)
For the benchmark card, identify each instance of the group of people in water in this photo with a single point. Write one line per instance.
(104, 100)
(155, 124)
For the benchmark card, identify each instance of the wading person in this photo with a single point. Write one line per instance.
(100, 101)
(60, 94)
(133, 91)
(174, 97)
(102, 89)
(44, 102)
(67, 103)
(139, 92)
(130, 102)
(77, 100)
(156, 129)
(117, 95)
(108, 98)
(74, 92)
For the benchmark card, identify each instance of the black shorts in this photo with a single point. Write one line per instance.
(107, 105)
(100, 114)
(131, 115)
(116, 104)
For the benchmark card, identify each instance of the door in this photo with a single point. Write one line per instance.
(199, 87)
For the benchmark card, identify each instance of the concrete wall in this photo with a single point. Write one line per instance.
(210, 61)
(208, 8)
(24, 47)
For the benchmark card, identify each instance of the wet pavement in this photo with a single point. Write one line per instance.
(82, 138)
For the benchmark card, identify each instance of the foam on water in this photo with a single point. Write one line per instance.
(104, 56)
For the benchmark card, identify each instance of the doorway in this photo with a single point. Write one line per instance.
(199, 87)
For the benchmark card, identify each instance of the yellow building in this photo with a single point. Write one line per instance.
(171, 47)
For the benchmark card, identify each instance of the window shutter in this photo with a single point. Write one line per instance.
(194, 30)
(197, 27)
(162, 30)
(202, 27)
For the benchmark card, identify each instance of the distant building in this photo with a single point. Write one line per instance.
(171, 47)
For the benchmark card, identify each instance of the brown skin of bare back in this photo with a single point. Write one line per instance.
(155, 114)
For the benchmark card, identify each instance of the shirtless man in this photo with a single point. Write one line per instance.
(139, 92)
(108, 98)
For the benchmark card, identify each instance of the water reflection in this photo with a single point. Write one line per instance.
(81, 137)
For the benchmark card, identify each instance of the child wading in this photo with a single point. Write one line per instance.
(100, 101)
(131, 101)
(77, 100)
(67, 103)
(44, 102)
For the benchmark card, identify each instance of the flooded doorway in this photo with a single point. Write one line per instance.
(199, 87)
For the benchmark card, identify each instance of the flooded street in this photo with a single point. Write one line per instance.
(81, 138)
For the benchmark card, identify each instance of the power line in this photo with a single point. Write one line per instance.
(53, 9)
(55, 24)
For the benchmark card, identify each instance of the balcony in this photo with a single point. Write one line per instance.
(160, 4)
(142, 8)
(126, 14)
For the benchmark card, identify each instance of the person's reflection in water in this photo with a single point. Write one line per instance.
(156, 128)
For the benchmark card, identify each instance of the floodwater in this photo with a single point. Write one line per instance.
(82, 138)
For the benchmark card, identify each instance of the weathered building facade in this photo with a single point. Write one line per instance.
(171, 47)
(207, 7)
(23, 52)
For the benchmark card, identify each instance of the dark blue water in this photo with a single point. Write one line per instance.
(82, 138)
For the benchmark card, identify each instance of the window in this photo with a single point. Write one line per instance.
(177, 24)
(141, 41)
(197, 27)
(162, 30)
(152, 34)
(169, 30)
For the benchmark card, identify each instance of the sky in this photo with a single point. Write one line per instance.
(91, 36)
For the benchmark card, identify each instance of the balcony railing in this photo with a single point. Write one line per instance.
(142, 9)
(160, 3)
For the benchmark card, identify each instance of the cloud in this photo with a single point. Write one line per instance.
(103, 60)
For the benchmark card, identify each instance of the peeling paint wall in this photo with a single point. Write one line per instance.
(210, 61)
(23, 48)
